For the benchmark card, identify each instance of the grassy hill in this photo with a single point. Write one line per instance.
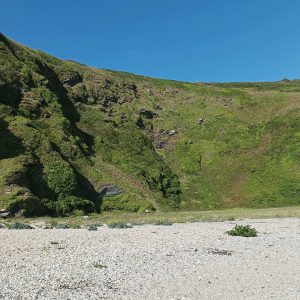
(75, 139)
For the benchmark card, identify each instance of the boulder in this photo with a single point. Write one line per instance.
(110, 190)
(4, 213)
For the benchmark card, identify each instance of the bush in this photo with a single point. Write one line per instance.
(243, 230)
(18, 225)
(60, 176)
(70, 204)
(93, 227)
(28, 204)
(119, 225)
(67, 226)
(164, 223)
(62, 226)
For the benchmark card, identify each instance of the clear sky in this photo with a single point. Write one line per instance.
(190, 40)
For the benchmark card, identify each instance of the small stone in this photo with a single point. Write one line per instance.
(4, 214)
(172, 132)
(200, 121)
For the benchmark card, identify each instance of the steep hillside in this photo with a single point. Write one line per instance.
(79, 139)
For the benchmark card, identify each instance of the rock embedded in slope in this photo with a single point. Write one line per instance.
(110, 190)
(70, 78)
(172, 132)
(4, 213)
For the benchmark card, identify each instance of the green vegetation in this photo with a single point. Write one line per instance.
(119, 225)
(164, 223)
(243, 230)
(18, 225)
(67, 226)
(98, 265)
(68, 131)
(94, 227)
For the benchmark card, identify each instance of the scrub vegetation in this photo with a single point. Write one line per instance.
(77, 140)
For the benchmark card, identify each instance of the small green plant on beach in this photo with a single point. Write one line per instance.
(98, 265)
(119, 225)
(54, 243)
(243, 230)
(18, 225)
(164, 223)
(62, 226)
(67, 226)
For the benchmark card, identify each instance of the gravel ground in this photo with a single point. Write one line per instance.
(183, 261)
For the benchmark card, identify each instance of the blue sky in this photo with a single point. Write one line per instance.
(204, 40)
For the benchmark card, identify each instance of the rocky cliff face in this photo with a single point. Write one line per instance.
(67, 130)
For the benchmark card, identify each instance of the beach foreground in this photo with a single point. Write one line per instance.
(183, 261)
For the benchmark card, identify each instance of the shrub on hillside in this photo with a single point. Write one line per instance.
(60, 176)
(71, 204)
(22, 201)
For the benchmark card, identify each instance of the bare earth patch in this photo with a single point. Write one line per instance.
(182, 261)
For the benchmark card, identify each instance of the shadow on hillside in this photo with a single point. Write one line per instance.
(69, 110)
(85, 188)
(86, 138)
(10, 93)
(36, 183)
(55, 86)
(10, 145)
